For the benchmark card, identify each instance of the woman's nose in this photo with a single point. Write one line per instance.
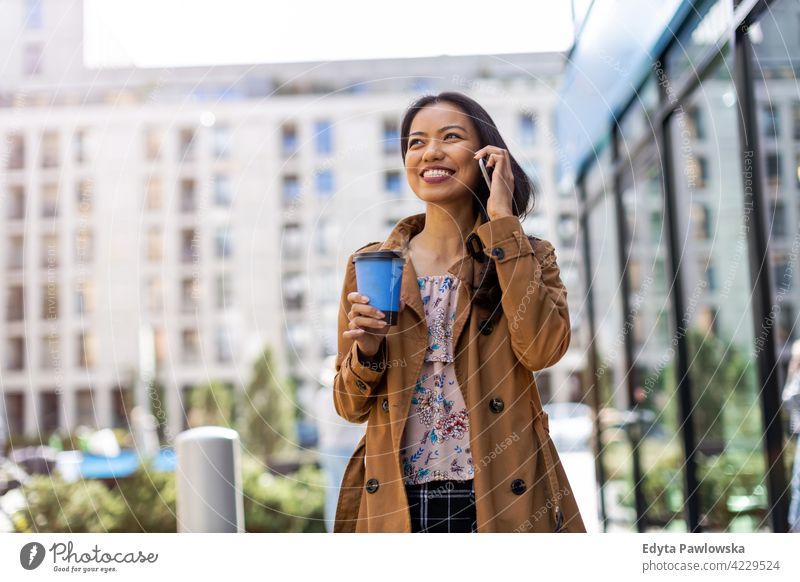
(432, 150)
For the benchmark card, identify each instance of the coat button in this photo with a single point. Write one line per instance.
(361, 385)
(499, 253)
(485, 326)
(385, 405)
(518, 486)
(496, 405)
(372, 485)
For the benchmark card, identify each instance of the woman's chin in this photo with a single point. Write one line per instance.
(443, 196)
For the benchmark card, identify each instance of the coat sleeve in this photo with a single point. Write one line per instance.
(534, 298)
(355, 382)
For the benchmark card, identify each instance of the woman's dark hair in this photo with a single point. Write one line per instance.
(488, 293)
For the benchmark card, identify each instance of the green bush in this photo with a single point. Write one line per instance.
(56, 506)
(146, 502)
(295, 503)
(149, 499)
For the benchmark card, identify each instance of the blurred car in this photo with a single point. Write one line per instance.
(571, 425)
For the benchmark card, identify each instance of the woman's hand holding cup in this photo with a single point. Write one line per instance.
(367, 325)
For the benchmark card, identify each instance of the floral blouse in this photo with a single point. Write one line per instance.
(435, 443)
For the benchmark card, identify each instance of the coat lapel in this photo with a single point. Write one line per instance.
(464, 268)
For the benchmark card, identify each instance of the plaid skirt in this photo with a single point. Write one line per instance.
(443, 507)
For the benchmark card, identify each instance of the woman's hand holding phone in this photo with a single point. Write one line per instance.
(366, 324)
(501, 181)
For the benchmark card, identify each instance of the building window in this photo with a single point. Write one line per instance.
(84, 297)
(297, 336)
(50, 302)
(154, 196)
(190, 292)
(325, 181)
(188, 195)
(154, 244)
(769, 121)
(527, 129)
(33, 14)
(50, 352)
(190, 342)
(223, 242)
(221, 142)
(49, 251)
(49, 402)
(16, 152)
(82, 146)
(190, 245)
(696, 127)
(224, 291)
(701, 220)
(773, 169)
(786, 324)
(84, 246)
(87, 350)
(289, 141)
(120, 405)
(16, 202)
(392, 182)
(50, 145)
(153, 139)
(154, 295)
(323, 137)
(797, 171)
(223, 339)
(49, 201)
(294, 288)
(291, 189)
(15, 306)
(186, 144)
(85, 196)
(696, 171)
(778, 219)
(292, 242)
(15, 413)
(16, 251)
(84, 407)
(160, 345)
(15, 356)
(326, 235)
(32, 60)
(783, 274)
(223, 192)
(391, 137)
(567, 228)
(796, 120)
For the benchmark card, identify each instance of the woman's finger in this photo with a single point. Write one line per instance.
(371, 322)
(356, 297)
(368, 310)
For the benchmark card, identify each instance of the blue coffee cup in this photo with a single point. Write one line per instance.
(379, 275)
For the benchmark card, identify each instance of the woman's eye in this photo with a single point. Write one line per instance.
(454, 134)
(413, 141)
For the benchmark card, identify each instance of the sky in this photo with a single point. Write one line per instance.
(159, 33)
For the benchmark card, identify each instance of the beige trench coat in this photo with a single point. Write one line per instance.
(520, 484)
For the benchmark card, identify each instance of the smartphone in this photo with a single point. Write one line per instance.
(485, 172)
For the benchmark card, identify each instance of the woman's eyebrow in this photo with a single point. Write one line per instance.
(440, 130)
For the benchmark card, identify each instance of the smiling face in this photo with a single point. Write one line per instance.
(440, 166)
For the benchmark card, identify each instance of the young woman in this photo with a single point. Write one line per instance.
(456, 438)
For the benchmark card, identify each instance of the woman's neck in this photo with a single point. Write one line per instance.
(445, 231)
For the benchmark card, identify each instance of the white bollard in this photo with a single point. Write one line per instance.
(209, 481)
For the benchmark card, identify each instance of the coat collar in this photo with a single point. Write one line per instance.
(463, 268)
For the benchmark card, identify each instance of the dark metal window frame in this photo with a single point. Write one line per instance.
(737, 45)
